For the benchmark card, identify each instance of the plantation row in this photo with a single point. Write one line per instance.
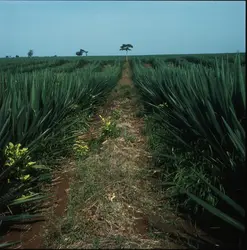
(184, 61)
(40, 114)
(195, 118)
(39, 63)
(55, 65)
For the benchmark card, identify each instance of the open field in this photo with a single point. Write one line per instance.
(144, 153)
(100, 58)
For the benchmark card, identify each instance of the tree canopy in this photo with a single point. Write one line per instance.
(30, 53)
(126, 47)
(80, 53)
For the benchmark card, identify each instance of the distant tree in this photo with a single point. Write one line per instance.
(80, 53)
(16, 56)
(7, 56)
(55, 56)
(30, 53)
(126, 47)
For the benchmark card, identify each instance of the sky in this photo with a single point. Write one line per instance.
(101, 27)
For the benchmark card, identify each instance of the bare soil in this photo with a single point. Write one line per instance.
(148, 65)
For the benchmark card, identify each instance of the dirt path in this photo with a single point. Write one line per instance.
(112, 202)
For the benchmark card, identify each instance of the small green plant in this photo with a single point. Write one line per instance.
(80, 148)
(13, 154)
(109, 128)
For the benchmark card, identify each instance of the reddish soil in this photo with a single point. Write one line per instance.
(148, 65)
(126, 76)
(141, 224)
(30, 235)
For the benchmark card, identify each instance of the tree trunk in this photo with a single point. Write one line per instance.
(126, 56)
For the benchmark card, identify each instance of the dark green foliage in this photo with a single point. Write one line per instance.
(197, 129)
(41, 111)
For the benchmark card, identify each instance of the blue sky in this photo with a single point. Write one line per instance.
(162, 27)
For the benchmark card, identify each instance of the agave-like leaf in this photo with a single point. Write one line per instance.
(217, 212)
(28, 199)
(205, 104)
(223, 196)
(8, 244)
(19, 217)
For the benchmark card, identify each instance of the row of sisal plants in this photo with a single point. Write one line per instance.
(26, 65)
(195, 118)
(40, 114)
